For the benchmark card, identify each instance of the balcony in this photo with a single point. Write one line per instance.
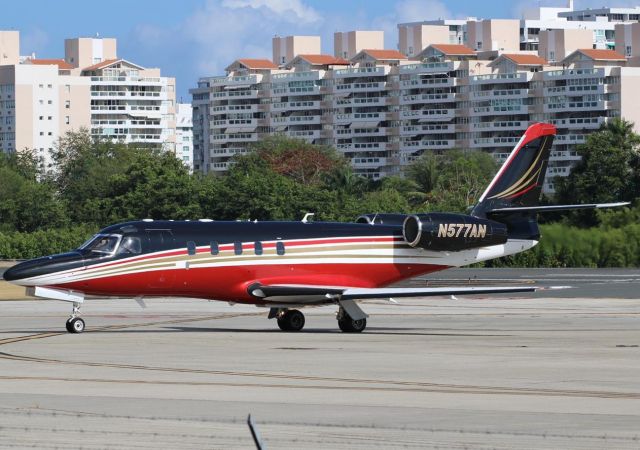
(295, 120)
(497, 125)
(493, 142)
(368, 163)
(574, 106)
(516, 77)
(362, 146)
(579, 123)
(499, 94)
(437, 67)
(426, 98)
(137, 81)
(571, 155)
(499, 110)
(295, 106)
(428, 114)
(360, 72)
(304, 134)
(424, 144)
(360, 87)
(287, 77)
(418, 129)
(429, 82)
(573, 73)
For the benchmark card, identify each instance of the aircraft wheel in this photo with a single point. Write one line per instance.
(75, 325)
(348, 325)
(291, 320)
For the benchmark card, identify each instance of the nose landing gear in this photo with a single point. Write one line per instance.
(75, 324)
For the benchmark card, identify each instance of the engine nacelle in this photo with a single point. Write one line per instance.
(452, 232)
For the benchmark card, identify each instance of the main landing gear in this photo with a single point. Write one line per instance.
(288, 319)
(293, 320)
(349, 325)
(75, 324)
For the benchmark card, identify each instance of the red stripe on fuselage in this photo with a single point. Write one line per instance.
(230, 283)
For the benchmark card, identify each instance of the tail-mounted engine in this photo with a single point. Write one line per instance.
(452, 232)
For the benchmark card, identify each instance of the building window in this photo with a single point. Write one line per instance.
(67, 104)
(237, 248)
(628, 50)
(258, 247)
(41, 118)
(552, 55)
(67, 88)
(280, 248)
(191, 248)
(66, 120)
(49, 118)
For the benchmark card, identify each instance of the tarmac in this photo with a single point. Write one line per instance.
(534, 371)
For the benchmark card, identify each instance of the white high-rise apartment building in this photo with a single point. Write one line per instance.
(128, 102)
(184, 134)
(382, 110)
(42, 99)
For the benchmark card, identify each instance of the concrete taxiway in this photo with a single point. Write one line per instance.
(484, 372)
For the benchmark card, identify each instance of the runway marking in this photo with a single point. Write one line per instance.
(335, 382)
(396, 386)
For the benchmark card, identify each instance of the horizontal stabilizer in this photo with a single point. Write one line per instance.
(552, 208)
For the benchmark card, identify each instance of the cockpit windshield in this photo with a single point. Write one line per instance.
(104, 244)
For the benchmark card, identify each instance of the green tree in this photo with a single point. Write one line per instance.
(452, 181)
(27, 204)
(608, 171)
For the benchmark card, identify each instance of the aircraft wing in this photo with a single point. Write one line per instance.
(351, 293)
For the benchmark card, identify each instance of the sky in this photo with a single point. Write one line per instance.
(189, 39)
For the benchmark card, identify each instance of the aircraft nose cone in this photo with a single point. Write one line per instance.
(14, 273)
(42, 266)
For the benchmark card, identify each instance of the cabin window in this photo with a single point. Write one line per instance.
(130, 245)
(258, 248)
(191, 248)
(237, 248)
(215, 249)
(280, 248)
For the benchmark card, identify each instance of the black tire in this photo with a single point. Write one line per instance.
(68, 326)
(348, 325)
(291, 320)
(75, 325)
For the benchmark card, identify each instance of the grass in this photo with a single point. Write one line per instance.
(9, 291)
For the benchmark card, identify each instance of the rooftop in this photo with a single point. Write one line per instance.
(61, 63)
(453, 49)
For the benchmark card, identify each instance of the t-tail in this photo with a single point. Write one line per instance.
(513, 196)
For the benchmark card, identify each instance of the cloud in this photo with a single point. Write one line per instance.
(416, 10)
(34, 40)
(217, 32)
(289, 10)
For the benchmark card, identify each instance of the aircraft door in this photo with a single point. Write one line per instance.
(158, 241)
